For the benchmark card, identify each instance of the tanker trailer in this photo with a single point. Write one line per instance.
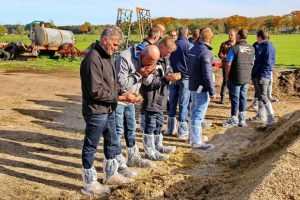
(49, 40)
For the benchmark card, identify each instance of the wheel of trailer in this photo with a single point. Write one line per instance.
(4, 55)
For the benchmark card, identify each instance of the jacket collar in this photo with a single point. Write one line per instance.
(209, 47)
(182, 38)
(100, 50)
(242, 42)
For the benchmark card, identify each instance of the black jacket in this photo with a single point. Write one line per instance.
(242, 63)
(98, 82)
(156, 94)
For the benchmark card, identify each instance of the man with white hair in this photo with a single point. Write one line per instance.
(99, 100)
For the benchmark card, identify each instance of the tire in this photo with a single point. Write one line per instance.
(4, 55)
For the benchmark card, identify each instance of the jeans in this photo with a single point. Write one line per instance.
(199, 106)
(179, 91)
(95, 126)
(125, 123)
(238, 97)
(224, 83)
(153, 122)
(261, 88)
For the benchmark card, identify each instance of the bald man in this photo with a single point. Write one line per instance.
(134, 66)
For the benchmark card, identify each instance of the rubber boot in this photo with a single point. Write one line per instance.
(158, 141)
(270, 114)
(254, 105)
(183, 130)
(171, 126)
(91, 185)
(269, 93)
(112, 177)
(123, 169)
(261, 113)
(242, 119)
(142, 122)
(150, 151)
(197, 139)
(136, 160)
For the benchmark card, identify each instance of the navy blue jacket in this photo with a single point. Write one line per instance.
(178, 58)
(200, 61)
(265, 56)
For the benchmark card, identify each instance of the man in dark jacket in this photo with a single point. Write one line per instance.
(261, 75)
(99, 100)
(239, 63)
(155, 101)
(179, 90)
(201, 86)
(153, 38)
(223, 51)
(195, 37)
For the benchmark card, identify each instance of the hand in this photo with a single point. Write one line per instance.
(213, 97)
(131, 98)
(147, 70)
(173, 77)
(128, 97)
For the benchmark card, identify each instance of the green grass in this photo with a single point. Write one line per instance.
(287, 48)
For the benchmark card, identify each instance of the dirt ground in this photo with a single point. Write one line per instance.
(41, 132)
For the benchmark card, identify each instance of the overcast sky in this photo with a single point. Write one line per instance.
(76, 12)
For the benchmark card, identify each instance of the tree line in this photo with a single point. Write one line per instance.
(289, 23)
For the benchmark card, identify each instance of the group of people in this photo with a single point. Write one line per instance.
(155, 73)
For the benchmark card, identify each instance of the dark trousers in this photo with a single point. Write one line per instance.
(153, 122)
(224, 83)
(261, 89)
(97, 125)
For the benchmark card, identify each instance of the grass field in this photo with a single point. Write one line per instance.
(287, 48)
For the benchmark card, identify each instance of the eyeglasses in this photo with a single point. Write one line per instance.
(173, 35)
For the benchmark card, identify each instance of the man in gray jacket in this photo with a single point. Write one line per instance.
(133, 67)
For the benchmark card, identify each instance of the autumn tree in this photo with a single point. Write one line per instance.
(237, 22)
(286, 21)
(84, 28)
(3, 30)
(296, 19)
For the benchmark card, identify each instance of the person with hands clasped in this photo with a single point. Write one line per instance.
(134, 66)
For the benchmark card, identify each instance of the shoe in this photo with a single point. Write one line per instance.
(183, 132)
(136, 160)
(270, 115)
(203, 146)
(231, 122)
(158, 141)
(261, 113)
(112, 177)
(150, 151)
(91, 186)
(242, 119)
(123, 169)
(171, 126)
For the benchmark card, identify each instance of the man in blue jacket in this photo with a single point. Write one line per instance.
(201, 86)
(179, 91)
(262, 72)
